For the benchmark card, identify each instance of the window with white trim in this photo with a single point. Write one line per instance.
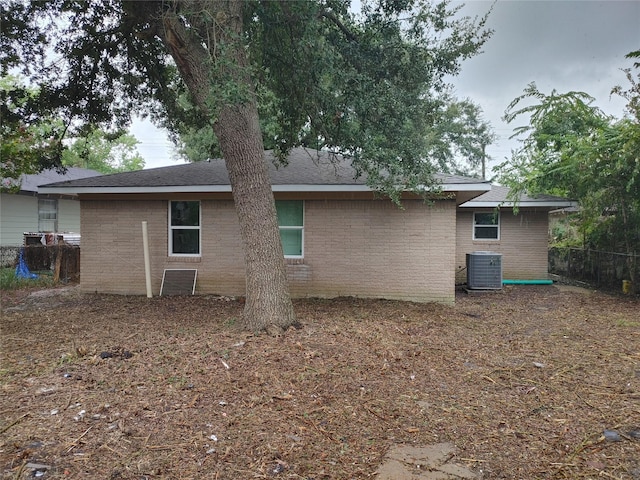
(184, 228)
(291, 225)
(47, 215)
(486, 225)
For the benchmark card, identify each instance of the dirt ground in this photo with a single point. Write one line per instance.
(534, 382)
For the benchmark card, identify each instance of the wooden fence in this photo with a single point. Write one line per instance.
(607, 270)
(62, 260)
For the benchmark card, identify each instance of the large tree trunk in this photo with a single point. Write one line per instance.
(268, 304)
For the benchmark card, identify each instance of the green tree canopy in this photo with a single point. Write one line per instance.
(29, 137)
(32, 139)
(104, 153)
(557, 122)
(571, 148)
(458, 138)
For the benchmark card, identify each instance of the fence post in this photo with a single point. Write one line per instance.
(56, 272)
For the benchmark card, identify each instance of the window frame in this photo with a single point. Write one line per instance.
(294, 228)
(42, 211)
(496, 226)
(171, 228)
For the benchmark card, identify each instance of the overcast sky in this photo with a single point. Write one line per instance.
(561, 45)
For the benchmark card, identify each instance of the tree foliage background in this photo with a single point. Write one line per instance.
(104, 152)
(29, 137)
(324, 76)
(33, 138)
(571, 148)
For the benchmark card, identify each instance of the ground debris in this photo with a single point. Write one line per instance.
(363, 384)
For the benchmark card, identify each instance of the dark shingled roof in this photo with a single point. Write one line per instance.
(499, 195)
(30, 183)
(305, 167)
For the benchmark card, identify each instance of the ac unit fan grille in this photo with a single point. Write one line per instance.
(484, 271)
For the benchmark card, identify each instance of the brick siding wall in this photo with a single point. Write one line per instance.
(373, 249)
(351, 247)
(523, 243)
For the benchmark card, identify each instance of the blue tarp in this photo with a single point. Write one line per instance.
(22, 271)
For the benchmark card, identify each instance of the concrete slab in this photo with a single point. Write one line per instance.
(430, 456)
(573, 289)
(433, 462)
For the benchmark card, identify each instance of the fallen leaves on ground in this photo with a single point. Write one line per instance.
(523, 382)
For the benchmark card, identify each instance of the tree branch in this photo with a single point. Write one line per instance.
(332, 16)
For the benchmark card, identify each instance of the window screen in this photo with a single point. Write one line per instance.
(184, 228)
(291, 224)
(486, 226)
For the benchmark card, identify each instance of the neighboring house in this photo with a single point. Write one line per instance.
(339, 237)
(26, 211)
(488, 223)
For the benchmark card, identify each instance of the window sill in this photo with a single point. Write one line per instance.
(184, 259)
(294, 261)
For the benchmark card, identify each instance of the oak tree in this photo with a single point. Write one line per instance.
(362, 84)
(30, 138)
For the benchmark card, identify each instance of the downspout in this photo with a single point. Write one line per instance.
(147, 262)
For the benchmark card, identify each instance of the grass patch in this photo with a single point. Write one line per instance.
(9, 281)
(628, 323)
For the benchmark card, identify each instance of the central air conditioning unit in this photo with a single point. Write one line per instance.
(484, 271)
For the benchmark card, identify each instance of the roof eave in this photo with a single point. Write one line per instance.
(466, 187)
(227, 188)
(525, 204)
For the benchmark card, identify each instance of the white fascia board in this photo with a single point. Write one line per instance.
(227, 188)
(320, 188)
(546, 203)
(448, 187)
(201, 189)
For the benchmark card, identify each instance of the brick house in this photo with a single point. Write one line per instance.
(339, 238)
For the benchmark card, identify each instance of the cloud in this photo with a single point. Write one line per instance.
(561, 45)
(155, 146)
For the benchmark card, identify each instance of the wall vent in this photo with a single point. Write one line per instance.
(484, 271)
(177, 281)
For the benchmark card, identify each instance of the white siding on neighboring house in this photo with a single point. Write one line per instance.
(18, 214)
(23, 212)
(68, 216)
